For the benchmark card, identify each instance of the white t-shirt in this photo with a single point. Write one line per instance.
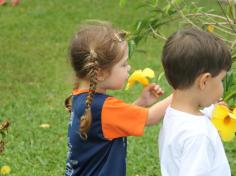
(189, 145)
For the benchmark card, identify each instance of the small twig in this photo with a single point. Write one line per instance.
(230, 7)
(233, 44)
(155, 33)
(215, 23)
(211, 15)
(222, 24)
(183, 16)
(219, 27)
(225, 15)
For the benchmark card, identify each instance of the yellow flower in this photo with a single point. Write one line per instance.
(5, 170)
(210, 28)
(225, 122)
(141, 77)
(44, 125)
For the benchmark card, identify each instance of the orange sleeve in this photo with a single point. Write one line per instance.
(120, 119)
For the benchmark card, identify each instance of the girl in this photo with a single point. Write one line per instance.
(100, 123)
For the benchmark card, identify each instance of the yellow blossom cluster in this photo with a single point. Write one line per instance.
(140, 76)
(5, 170)
(224, 120)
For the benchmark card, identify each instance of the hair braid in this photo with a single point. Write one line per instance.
(68, 103)
(68, 100)
(86, 119)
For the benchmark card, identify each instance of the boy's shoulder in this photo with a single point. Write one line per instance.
(187, 125)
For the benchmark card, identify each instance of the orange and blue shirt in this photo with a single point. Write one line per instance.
(104, 152)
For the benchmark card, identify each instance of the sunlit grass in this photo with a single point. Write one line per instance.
(35, 79)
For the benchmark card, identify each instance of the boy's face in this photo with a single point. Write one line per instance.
(212, 89)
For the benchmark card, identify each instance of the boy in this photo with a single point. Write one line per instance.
(195, 63)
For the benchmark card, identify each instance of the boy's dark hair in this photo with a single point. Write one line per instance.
(191, 52)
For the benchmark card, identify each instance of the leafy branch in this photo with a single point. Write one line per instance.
(162, 13)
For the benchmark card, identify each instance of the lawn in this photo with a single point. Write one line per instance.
(36, 78)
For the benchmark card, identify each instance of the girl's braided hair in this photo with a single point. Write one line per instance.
(97, 46)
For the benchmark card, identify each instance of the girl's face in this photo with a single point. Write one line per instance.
(118, 74)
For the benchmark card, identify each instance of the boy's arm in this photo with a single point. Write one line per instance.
(157, 111)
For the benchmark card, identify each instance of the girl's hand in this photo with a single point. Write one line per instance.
(221, 102)
(149, 95)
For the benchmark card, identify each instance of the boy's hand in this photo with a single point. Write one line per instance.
(149, 95)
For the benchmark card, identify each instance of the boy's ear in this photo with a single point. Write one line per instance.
(203, 79)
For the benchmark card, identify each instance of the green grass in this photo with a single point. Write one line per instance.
(35, 79)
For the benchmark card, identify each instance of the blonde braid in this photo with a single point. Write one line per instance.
(68, 100)
(86, 119)
(68, 103)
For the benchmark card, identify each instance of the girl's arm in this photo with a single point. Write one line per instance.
(149, 95)
(157, 111)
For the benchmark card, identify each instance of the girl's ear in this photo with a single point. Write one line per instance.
(203, 79)
(101, 75)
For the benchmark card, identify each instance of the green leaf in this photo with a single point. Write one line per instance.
(137, 39)
(231, 93)
(132, 46)
(177, 1)
(229, 80)
(167, 8)
(160, 76)
(122, 3)
(138, 25)
(141, 24)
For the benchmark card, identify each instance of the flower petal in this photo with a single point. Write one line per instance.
(141, 77)
(220, 112)
(218, 123)
(232, 125)
(232, 115)
(227, 135)
(5, 170)
(129, 85)
(147, 72)
(136, 75)
(144, 81)
(234, 111)
(210, 28)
